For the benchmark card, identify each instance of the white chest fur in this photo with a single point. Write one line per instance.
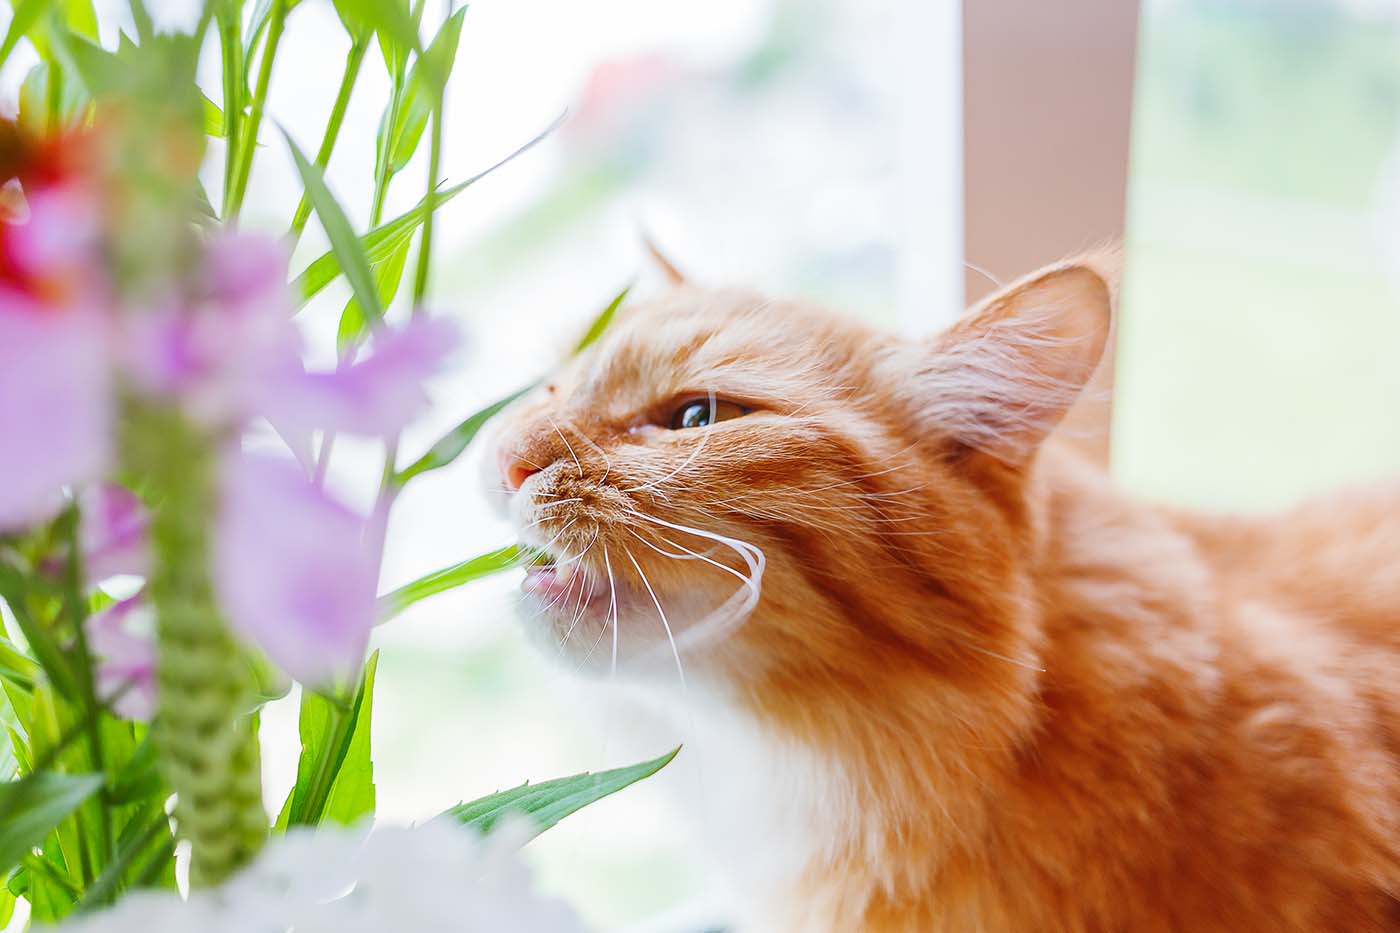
(766, 810)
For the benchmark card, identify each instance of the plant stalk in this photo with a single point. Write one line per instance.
(248, 143)
(332, 133)
(203, 729)
(231, 51)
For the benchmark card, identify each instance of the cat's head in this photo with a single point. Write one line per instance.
(762, 491)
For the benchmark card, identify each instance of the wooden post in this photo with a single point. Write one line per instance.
(1047, 104)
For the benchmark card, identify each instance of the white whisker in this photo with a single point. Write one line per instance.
(737, 607)
(607, 463)
(675, 651)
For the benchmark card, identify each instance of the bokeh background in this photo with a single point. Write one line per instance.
(765, 142)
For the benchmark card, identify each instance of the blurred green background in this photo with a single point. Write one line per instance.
(1258, 346)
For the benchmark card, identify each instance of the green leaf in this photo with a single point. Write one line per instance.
(328, 731)
(353, 793)
(380, 242)
(425, 85)
(451, 445)
(80, 17)
(378, 245)
(98, 69)
(139, 777)
(349, 252)
(448, 578)
(33, 806)
(138, 837)
(26, 14)
(388, 273)
(213, 117)
(547, 803)
(601, 321)
(391, 19)
(16, 666)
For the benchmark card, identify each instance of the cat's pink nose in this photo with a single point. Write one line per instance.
(515, 470)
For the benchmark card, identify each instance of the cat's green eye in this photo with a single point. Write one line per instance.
(697, 413)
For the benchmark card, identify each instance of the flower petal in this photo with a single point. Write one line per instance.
(376, 396)
(55, 415)
(294, 570)
(121, 637)
(113, 533)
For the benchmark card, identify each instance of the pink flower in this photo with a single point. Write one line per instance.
(236, 353)
(375, 397)
(55, 406)
(294, 570)
(113, 533)
(121, 638)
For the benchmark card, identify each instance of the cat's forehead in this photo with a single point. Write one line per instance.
(691, 339)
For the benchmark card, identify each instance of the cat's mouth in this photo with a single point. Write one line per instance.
(563, 585)
(557, 581)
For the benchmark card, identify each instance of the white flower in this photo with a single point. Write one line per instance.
(436, 877)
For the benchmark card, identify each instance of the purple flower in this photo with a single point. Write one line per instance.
(113, 533)
(235, 353)
(121, 638)
(376, 396)
(55, 406)
(294, 570)
(224, 351)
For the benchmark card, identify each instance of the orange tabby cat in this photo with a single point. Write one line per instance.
(972, 686)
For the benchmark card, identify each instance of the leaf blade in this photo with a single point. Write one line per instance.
(380, 241)
(448, 578)
(547, 803)
(344, 243)
(35, 805)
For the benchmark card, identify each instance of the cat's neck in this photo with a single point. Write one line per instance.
(917, 757)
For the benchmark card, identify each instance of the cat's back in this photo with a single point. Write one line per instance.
(1334, 559)
(1249, 667)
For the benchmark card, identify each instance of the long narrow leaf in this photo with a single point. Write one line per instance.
(25, 15)
(454, 442)
(327, 740)
(344, 243)
(547, 803)
(353, 792)
(425, 84)
(387, 276)
(601, 322)
(440, 581)
(380, 243)
(31, 807)
(389, 18)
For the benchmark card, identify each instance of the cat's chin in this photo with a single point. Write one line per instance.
(597, 627)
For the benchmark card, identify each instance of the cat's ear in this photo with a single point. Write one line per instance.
(1003, 376)
(669, 269)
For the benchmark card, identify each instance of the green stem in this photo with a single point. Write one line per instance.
(249, 143)
(328, 768)
(145, 29)
(54, 98)
(381, 175)
(207, 741)
(40, 866)
(425, 245)
(231, 50)
(342, 101)
(75, 606)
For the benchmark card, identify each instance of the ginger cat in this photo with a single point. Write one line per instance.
(971, 686)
